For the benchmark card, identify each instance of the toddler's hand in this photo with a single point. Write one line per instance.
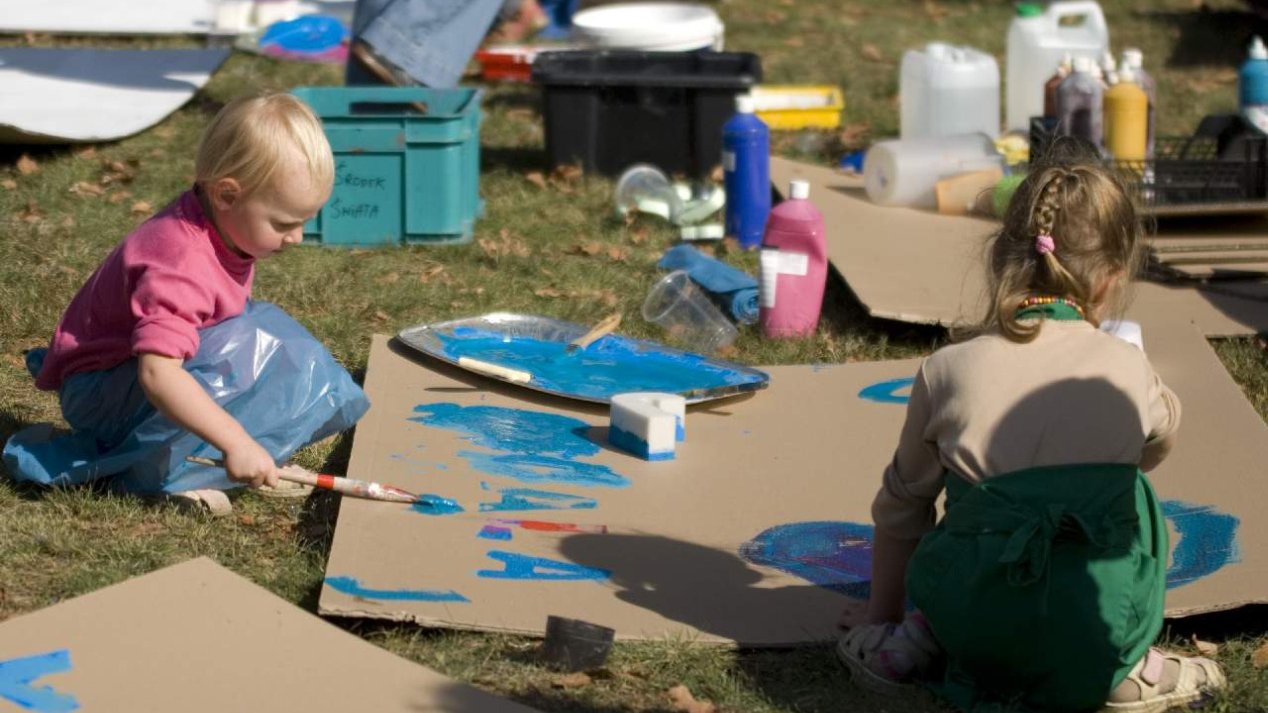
(249, 463)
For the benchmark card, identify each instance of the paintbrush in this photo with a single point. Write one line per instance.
(347, 486)
(606, 325)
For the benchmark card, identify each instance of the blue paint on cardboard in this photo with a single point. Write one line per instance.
(518, 566)
(18, 676)
(352, 587)
(511, 429)
(612, 365)
(886, 392)
(429, 504)
(529, 468)
(830, 554)
(1206, 542)
(516, 499)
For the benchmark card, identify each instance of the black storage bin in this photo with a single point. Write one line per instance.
(606, 110)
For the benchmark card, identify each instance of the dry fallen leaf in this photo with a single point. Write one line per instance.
(429, 272)
(590, 248)
(1259, 659)
(165, 132)
(567, 172)
(854, 136)
(794, 42)
(119, 196)
(86, 152)
(935, 11)
(548, 292)
(9, 184)
(68, 222)
(687, 703)
(1205, 648)
(618, 253)
(86, 188)
(389, 279)
(27, 165)
(381, 316)
(142, 208)
(571, 680)
(536, 178)
(638, 236)
(31, 213)
(247, 520)
(871, 52)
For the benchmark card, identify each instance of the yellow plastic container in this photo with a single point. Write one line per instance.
(1127, 120)
(794, 106)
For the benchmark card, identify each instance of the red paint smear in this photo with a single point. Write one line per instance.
(543, 526)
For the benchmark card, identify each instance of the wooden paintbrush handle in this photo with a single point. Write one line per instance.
(605, 326)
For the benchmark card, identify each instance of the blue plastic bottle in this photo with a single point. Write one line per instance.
(746, 174)
(1252, 87)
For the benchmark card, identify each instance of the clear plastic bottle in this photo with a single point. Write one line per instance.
(1037, 38)
(1134, 58)
(1127, 119)
(1050, 87)
(1080, 102)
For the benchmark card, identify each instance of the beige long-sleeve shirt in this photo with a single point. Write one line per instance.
(988, 406)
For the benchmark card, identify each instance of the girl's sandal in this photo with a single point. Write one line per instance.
(858, 647)
(1197, 678)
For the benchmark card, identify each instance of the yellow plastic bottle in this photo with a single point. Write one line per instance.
(1127, 118)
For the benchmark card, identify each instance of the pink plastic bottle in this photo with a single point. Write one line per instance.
(794, 266)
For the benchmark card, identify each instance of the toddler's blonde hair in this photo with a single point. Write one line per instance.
(252, 136)
(1096, 235)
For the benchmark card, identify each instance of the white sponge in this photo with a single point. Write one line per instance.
(648, 424)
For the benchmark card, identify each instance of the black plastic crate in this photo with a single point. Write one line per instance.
(606, 110)
(1189, 175)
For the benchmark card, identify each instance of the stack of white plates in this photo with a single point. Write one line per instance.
(651, 26)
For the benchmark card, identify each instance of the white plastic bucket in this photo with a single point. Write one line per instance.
(947, 90)
(1036, 44)
(651, 26)
(904, 172)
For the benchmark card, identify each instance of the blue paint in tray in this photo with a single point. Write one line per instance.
(352, 587)
(17, 682)
(612, 365)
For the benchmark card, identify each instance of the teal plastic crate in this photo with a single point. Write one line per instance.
(401, 176)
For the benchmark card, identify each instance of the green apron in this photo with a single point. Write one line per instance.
(1044, 586)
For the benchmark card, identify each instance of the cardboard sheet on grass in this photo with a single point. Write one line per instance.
(925, 268)
(751, 535)
(82, 95)
(197, 638)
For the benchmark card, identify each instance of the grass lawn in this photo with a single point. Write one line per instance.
(62, 210)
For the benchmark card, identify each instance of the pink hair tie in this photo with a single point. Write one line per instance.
(1044, 244)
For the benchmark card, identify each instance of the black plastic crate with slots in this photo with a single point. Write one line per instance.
(608, 109)
(1191, 175)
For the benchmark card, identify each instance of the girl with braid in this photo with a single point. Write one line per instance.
(1042, 586)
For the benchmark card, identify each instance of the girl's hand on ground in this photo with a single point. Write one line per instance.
(854, 614)
(251, 464)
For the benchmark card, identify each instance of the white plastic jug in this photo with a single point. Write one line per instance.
(947, 90)
(904, 172)
(1037, 39)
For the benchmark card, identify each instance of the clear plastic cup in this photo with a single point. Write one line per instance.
(645, 188)
(691, 319)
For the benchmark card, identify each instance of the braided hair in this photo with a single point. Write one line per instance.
(1089, 250)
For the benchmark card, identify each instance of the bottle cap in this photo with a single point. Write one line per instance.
(799, 190)
(1127, 74)
(1257, 49)
(744, 104)
(1107, 62)
(1029, 9)
(1132, 57)
(1083, 65)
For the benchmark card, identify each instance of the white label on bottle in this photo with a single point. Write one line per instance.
(793, 263)
(728, 160)
(770, 276)
(1257, 115)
